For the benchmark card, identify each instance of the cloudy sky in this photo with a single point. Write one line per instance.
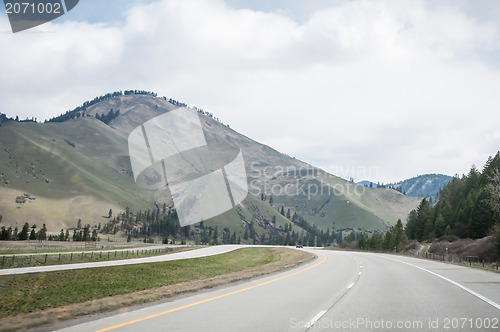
(378, 90)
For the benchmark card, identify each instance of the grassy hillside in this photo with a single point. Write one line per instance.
(80, 168)
(71, 169)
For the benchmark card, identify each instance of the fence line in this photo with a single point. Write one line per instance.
(94, 255)
(453, 258)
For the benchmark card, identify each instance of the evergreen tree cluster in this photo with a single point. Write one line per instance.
(465, 207)
(108, 117)
(4, 118)
(175, 102)
(157, 222)
(315, 236)
(78, 111)
(80, 234)
(394, 239)
(9, 234)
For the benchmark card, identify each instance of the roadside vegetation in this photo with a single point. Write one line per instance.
(468, 209)
(33, 299)
(393, 240)
(464, 224)
(85, 256)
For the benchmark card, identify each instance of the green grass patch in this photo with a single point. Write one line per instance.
(38, 291)
(84, 256)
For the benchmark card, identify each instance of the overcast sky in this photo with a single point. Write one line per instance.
(378, 90)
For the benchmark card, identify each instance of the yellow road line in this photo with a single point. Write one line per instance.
(211, 299)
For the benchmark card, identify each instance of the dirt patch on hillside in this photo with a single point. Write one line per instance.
(289, 258)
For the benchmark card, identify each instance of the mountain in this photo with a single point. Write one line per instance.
(78, 167)
(427, 185)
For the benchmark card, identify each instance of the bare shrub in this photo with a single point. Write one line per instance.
(349, 245)
(483, 248)
(413, 245)
(448, 238)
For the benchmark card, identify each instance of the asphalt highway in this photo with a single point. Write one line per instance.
(339, 291)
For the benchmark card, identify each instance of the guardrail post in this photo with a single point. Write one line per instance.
(59, 257)
(71, 259)
(45, 259)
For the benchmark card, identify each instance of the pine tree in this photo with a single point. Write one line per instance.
(362, 242)
(86, 233)
(422, 220)
(42, 233)
(440, 226)
(23, 235)
(401, 240)
(216, 236)
(94, 235)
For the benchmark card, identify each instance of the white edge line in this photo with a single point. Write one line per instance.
(468, 290)
(315, 318)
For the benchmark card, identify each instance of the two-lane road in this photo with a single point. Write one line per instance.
(338, 291)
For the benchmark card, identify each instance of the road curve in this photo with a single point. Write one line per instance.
(341, 291)
(202, 252)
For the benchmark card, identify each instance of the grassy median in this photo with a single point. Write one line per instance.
(34, 299)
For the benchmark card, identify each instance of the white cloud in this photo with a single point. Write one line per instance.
(397, 85)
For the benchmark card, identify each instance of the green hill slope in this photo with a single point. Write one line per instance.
(80, 168)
